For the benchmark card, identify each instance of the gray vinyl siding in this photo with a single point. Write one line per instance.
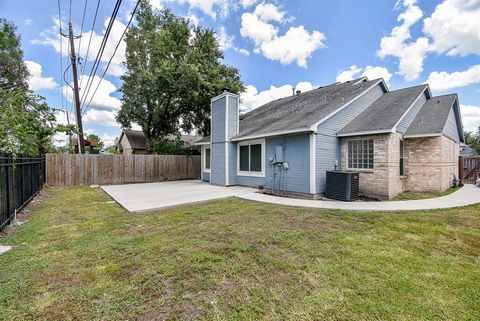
(451, 130)
(328, 144)
(217, 166)
(218, 120)
(410, 115)
(232, 116)
(206, 177)
(296, 178)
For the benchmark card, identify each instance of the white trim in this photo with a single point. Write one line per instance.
(278, 133)
(394, 128)
(250, 173)
(366, 132)
(204, 159)
(422, 135)
(315, 125)
(226, 141)
(202, 143)
(312, 164)
(223, 95)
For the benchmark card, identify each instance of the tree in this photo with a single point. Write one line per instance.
(173, 70)
(25, 118)
(98, 140)
(473, 140)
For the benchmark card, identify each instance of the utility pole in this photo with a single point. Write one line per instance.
(76, 96)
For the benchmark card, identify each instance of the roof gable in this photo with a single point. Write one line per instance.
(385, 113)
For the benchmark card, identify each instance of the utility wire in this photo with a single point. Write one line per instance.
(61, 53)
(89, 42)
(81, 30)
(100, 53)
(113, 55)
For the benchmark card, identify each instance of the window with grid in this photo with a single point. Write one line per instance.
(360, 153)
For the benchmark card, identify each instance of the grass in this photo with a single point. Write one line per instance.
(81, 257)
(419, 195)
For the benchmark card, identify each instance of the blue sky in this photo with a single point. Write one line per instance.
(277, 45)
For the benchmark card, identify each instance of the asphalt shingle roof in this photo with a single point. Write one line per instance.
(300, 111)
(432, 116)
(385, 112)
(136, 138)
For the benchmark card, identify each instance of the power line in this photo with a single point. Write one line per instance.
(81, 30)
(89, 42)
(100, 52)
(114, 52)
(61, 53)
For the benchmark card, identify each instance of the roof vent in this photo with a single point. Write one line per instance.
(298, 92)
(224, 90)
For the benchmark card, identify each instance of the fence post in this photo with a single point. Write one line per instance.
(7, 178)
(460, 168)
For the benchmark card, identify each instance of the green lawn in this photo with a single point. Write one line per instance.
(81, 257)
(419, 195)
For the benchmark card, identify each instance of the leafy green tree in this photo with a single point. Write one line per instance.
(25, 118)
(173, 70)
(473, 139)
(98, 140)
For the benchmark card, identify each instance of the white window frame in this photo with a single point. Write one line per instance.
(358, 169)
(204, 158)
(247, 143)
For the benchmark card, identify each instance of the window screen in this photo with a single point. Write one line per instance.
(207, 158)
(244, 158)
(360, 153)
(256, 158)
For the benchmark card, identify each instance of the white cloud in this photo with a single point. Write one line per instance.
(252, 98)
(103, 100)
(49, 37)
(269, 12)
(296, 45)
(345, 75)
(244, 52)
(28, 22)
(410, 54)
(369, 71)
(100, 117)
(256, 29)
(442, 80)
(248, 3)
(454, 27)
(212, 8)
(470, 117)
(36, 80)
(224, 40)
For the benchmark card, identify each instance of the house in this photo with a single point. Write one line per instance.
(401, 140)
(134, 142)
(465, 150)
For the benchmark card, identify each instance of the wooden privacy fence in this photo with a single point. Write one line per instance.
(66, 170)
(469, 169)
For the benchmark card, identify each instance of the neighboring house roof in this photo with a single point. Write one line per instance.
(298, 113)
(204, 141)
(431, 118)
(384, 113)
(136, 138)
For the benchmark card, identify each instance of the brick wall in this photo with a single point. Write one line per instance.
(430, 164)
(384, 180)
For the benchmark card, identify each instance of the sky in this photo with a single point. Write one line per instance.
(279, 46)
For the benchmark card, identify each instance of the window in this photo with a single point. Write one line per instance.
(251, 158)
(402, 159)
(360, 153)
(207, 159)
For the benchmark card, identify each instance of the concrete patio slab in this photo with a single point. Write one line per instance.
(149, 196)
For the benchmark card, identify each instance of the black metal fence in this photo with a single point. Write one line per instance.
(21, 178)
